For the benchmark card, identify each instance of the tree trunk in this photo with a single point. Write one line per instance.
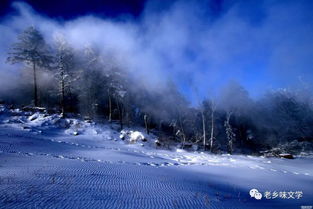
(203, 129)
(127, 111)
(62, 93)
(120, 110)
(212, 130)
(145, 117)
(182, 130)
(229, 132)
(110, 105)
(35, 86)
(121, 119)
(160, 125)
(231, 139)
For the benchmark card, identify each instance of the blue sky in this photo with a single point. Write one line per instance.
(201, 45)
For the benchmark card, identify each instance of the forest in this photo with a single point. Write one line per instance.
(91, 85)
(156, 104)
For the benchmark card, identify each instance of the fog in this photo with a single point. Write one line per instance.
(262, 47)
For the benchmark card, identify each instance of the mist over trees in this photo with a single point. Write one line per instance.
(32, 50)
(93, 85)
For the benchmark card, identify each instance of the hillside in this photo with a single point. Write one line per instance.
(50, 162)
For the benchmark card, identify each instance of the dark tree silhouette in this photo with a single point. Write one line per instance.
(32, 50)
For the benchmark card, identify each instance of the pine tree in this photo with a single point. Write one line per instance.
(33, 51)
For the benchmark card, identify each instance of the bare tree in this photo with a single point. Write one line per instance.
(120, 111)
(229, 132)
(91, 83)
(213, 108)
(203, 127)
(181, 131)
(65, 62)
(110, 103)
(203, 118)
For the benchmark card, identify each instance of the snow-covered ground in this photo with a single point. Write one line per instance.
(50, 162)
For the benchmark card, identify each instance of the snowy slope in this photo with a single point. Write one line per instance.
(49, 162)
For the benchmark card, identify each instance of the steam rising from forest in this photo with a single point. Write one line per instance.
(181, 71)
(187, 44)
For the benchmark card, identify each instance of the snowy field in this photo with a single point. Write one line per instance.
(48, 162)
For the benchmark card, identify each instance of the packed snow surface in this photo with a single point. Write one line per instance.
(50, 162)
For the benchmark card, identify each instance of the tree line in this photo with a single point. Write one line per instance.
(85, 82)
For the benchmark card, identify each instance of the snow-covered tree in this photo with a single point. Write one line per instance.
(285, 117)
(31, 49)
(91, 82)
(237, 105)
(212, 136)
(231, 136)
(64, 64)
(118, 95)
